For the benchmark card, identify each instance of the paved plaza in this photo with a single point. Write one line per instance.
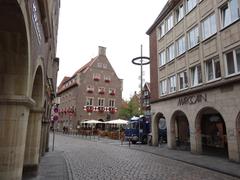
(107, 159)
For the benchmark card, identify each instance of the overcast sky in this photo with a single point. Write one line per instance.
(118, 25)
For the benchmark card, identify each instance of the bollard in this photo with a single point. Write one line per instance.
(129, 143)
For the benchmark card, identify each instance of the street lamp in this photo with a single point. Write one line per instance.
(142, 60)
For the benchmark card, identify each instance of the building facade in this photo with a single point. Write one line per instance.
(195, 75)
(93, 92)
(28, 73)
(146, 101)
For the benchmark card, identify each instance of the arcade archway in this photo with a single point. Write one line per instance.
(32, 147)
(211, 132)
(14, 76)
(159, 129)
(180, 133)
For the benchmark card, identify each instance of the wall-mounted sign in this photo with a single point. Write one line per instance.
(36, 20)
(192, 99)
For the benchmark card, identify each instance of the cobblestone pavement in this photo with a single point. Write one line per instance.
(92, 160)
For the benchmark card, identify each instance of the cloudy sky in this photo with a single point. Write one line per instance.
(118, 25)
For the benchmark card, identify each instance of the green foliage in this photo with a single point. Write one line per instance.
(130, 108)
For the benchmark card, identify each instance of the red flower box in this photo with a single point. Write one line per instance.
(107, 80)
(96, 78)
(100, 109)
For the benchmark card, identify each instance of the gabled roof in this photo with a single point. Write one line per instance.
(85, 67)
(63, 81)
(147, 85)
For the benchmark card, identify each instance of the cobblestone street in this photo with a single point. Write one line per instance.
(98, 160)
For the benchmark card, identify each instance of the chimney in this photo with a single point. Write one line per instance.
(101, 51)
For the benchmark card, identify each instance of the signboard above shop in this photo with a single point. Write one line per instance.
(192, 99)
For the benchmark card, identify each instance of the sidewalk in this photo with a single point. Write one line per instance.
(218, 164)
(53, 166)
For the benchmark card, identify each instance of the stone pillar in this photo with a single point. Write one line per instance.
(47, 137)
(42, 140)
(44, 137)
(196, 139)
(233, 151)
(171, 134)
(32, 148)
(154, 132)
(14, 112)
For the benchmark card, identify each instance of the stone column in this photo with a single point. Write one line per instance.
(154, 132)
(44, 137)
(32, 148)
(14, 112)
(47, 137)
(196, 139)
(42, 140)
(233, 151)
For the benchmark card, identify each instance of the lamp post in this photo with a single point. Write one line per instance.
(142, 60)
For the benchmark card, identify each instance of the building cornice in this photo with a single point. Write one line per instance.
(166, 9)
(205, 87)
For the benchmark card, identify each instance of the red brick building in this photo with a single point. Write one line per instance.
(93, 92)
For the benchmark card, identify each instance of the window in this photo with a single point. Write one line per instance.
(146, 102)
(183, 80)
(112, 91)
(99, 65)
(229, 12)
(107, 78)
(196, 75)
(104, 66)
(172, 84)
(233, 62)
(163, 87)
(169, 23)
(145, 93)
(101, 90)
(101, 102)
(111, 103)
(213, 70)
(180, 46)
(161, 30)
(90, 88)
(170, 52)
(179, 13)
(96, 76)
(89, 101)
(209, 26)
(193, 37)
(162, 59)
(190, 4)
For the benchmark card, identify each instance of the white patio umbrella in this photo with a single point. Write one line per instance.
(91, 122)
(119, 122)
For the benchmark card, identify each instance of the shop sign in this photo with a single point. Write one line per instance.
(192, 99)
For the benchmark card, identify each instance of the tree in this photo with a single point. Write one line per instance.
(130, 108)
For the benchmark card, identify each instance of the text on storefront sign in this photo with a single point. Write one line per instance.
(192, 99)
